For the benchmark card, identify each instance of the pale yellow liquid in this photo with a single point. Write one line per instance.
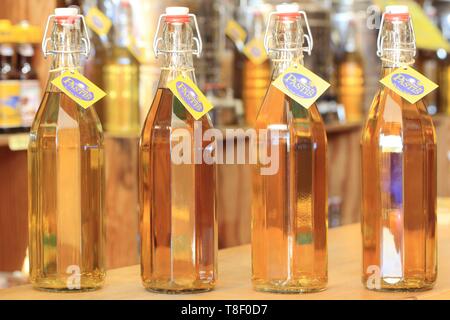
(289, 223)
(66, 197)
(121, 105)
(399, 195)
(178, 214)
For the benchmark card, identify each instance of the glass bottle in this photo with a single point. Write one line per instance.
(351, 77)
(121, 78)
(255, 77)
(10, 118)
(289, 220)
(177, 201)
(100, 46)
(66, 175)
(30, 87)
(399, 175)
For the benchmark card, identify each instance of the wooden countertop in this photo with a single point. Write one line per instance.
(234, 273)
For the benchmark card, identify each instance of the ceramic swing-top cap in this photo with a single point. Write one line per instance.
(287, 8)
(177, 11)
(398, 9)
(66, 12)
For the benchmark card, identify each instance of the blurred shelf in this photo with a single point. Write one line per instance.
(15, 141)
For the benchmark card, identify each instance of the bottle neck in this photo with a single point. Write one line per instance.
(397, 47)
(287, 45)
(177, 53)
(282, 60)
(65, 49)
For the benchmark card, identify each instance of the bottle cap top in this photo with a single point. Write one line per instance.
(287, 8)
(398, 9)
(66, 12)
(177, 11)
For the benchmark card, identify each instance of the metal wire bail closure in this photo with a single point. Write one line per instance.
(85, 39)
(308, 37)
(380, 39)
(197, 40)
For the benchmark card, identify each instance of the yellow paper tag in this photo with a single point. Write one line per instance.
(409, 84)
(18, 142)
(255, 51)
(79, 88)
(190, 96)
(302, 85)
(427, 34)
(137, 51)
(98, 22)
(235, 31)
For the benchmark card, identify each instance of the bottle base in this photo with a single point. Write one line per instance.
(63, 285)
(291, 287)
(394, 285)
(174, 288)
(66, 290)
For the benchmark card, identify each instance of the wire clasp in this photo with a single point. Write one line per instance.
(380, 40)
(308, 37)
(84, 39)
(197, 39)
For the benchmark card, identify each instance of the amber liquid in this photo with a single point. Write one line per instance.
(66, 200)
(351, 86)
(178, 214)
(289, 223)
(255, 80)
(399, 195)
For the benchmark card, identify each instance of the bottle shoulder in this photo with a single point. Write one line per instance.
(391, 115)
(58, 112)
(277, 107)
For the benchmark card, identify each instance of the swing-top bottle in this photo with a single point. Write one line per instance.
(177, 200)
(66, 173)
(289, 218)
(399, 174)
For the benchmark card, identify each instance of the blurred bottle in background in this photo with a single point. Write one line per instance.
(100, 43)
(255, 77)
(10, 117)
(349, 19)
(121, 78)
(442, 19)
(350, 77)
(30, 88)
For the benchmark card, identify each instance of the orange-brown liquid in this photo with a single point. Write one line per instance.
(255, 80)
(351, 86)
(289, 226)
(66, 196)
(178, 216)
(399, 195)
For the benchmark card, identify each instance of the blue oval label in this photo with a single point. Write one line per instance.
(299, 85)
(98, 22)
(407, 84)
(256, 51)
(77, 88)
(189, 96)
